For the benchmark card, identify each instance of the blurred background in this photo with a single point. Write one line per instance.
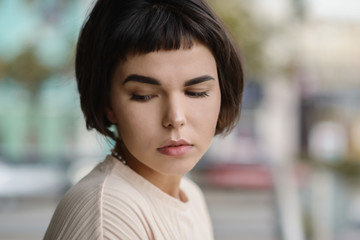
(289, 171)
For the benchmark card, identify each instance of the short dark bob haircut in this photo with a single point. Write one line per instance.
(116, 28)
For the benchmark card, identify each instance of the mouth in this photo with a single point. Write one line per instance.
(175, 148)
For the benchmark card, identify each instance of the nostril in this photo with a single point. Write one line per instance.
(175, 123)
(174, 116)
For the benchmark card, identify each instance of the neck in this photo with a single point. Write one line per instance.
(168, 184)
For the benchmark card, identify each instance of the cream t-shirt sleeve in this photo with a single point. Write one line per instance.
(82, 214)
(77, 215)
(121, 218)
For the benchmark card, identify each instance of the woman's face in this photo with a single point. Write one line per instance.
(166, 105)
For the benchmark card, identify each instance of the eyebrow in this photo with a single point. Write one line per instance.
(153, 81)
(141, 79)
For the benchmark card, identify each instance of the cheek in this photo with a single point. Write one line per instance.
(207, 116)
(136, 126)
(213, 114)
(213, 108)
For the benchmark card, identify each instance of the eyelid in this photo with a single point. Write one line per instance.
(141, 93)
(197, 94)
(141, 98)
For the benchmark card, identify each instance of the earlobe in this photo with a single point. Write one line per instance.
(111, 116)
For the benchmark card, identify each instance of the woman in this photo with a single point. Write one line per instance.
(167, 76)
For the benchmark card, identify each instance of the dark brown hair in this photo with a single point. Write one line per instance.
(116, 28)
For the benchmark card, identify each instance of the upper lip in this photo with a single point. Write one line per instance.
(175, 143)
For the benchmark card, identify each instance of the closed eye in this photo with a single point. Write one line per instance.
(197, 94)
(141, 98)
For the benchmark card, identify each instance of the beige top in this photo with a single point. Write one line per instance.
(114, 202)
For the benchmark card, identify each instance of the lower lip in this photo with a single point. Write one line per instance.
(175, 151)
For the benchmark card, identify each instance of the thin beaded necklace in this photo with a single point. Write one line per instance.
(118, 156)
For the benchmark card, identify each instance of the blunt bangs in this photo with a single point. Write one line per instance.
(161, 26)
(151, 30)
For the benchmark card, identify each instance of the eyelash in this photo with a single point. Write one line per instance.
(197, 94)
(145, 98)
(141, 98)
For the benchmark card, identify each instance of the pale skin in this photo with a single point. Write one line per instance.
(165, 105)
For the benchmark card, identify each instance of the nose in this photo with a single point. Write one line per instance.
(174, 113)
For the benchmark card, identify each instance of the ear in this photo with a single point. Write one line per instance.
(111, 115)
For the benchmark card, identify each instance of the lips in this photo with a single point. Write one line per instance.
(175, 148)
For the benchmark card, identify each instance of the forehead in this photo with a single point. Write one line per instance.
(163, 64)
